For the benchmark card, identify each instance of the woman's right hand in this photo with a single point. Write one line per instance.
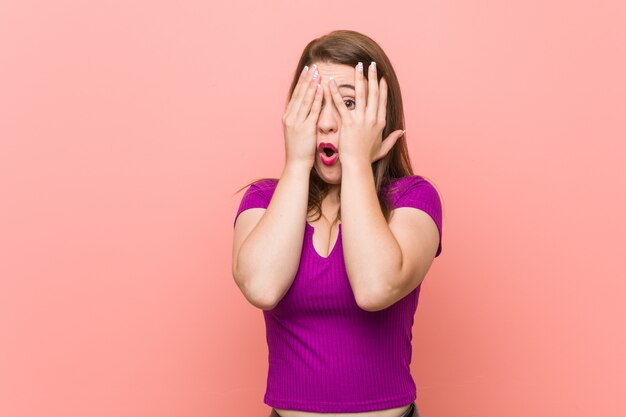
(300, 119)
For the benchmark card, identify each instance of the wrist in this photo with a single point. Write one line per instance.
(355, 163)
(297, 168)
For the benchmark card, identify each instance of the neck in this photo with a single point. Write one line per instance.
(333, 193)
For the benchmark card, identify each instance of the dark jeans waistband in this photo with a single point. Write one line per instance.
(412, 411)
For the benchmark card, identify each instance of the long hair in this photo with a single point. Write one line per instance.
(348, 47)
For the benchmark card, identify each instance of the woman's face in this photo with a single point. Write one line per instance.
(329, 121)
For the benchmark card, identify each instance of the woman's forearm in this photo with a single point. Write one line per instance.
(371, 252)
(269, 257)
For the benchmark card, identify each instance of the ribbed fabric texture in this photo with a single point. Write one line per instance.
(326, 354)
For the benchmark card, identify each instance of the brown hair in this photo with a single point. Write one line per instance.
(348, 47)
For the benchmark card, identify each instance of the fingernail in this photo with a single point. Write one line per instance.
(373, 65)
(359, 67)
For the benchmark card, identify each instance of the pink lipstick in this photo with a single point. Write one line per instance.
(328, 153)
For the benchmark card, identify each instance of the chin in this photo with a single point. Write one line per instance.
(330, 175)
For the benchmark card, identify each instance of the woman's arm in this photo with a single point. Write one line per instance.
(267, 260)
(371, 252)
(266, 263)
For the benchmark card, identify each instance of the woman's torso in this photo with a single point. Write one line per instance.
(325, 238)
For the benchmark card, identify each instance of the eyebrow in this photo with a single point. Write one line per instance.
(346, 85)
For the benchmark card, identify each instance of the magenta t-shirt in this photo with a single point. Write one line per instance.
(326, 354)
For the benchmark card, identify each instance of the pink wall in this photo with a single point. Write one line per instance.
(126, 127)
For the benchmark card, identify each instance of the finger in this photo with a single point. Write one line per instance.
(382, 100)
(307, 100)
(359, 88)
(372, 96)
(337, 99)
(303, 88)
(301, 79)
(317, 103)
(387, 144)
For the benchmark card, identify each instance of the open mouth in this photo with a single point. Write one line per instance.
(328, 153)
(329, 157)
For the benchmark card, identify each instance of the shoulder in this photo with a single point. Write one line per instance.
(267, 184)
(264, 187)
(410, 187)
(258, 195)
(417, 192)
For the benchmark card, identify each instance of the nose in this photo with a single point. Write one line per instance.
(329, 119)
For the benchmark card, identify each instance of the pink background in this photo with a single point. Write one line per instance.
(126, 127)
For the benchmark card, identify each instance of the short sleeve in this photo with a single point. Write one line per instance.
(415, 191)
(258, 195)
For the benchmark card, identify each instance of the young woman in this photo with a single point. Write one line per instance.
(339, 298)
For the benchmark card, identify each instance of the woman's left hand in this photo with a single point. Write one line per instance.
(360, 137)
